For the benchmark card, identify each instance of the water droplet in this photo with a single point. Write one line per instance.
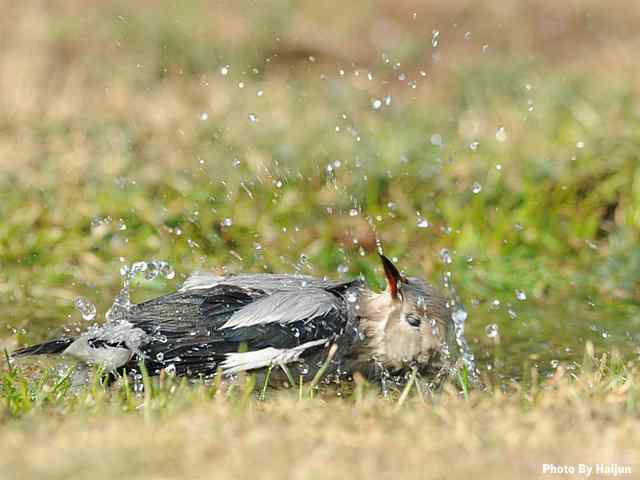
(224, 70)
(422, 223)
(387, 100)
(435, 35)
(227, 222)
(86, 308)
(579, 144)
(491, 330)
(501, 134)
(278, 184)
(474, 146)
(520, 295)
(512, 313)
(99, 221)
(160, 356)
(204, 116)
(168, 272)
(436, 139)
(343, 268)
(495, 304)
(353, 212)
(376, 103)
(253, 118)
(445, 256)
(476, 187)
(459, 316)
(259, 93)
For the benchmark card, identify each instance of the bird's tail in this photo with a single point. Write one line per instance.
(52, 346)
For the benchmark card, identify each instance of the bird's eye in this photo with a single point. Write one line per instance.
(413, 319)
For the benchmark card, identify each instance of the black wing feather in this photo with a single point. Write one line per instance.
(185, 328)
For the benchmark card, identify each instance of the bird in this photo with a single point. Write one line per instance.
(252, 322)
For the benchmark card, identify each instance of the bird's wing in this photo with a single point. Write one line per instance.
(267, 282)
(198, 280)
(242, 361)
(198, 330)
(198, 313)
(285, 307)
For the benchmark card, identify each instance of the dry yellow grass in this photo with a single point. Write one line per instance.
(189, 435)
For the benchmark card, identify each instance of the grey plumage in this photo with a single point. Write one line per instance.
(267, 282)
(283, 307)
(248, 322)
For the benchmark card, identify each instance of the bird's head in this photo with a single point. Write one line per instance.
(407, 323)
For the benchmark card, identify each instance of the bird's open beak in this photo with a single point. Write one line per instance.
(393, 276)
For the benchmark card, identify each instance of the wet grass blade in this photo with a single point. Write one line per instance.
(148, 394)
(320, 373)
(287, 372)
(463, 381)
(407, 388)
(263, 392)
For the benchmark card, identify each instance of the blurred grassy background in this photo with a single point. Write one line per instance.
(281, 136)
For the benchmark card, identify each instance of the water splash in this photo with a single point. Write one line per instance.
(491, 330)
(86, 308)
(151, 270)
(459, 316)
(422, 223)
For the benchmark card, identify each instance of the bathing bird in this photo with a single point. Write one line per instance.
(254, 322)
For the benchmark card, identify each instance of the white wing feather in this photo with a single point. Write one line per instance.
(284, 307)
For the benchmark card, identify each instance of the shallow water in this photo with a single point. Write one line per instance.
(506, 339)
(550, 332)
